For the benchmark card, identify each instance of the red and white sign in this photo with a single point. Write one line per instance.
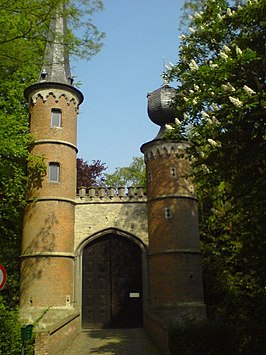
(2, 277)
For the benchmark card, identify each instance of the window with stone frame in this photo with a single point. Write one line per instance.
(56, 118)
(54, 172)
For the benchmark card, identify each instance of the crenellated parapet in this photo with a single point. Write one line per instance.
(110, 194)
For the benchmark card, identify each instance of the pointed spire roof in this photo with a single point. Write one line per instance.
(56, 66)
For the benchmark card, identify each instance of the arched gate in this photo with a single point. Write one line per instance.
(112, 283)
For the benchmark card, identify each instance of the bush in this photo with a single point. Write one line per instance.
(10, 331)
(204, 337)
(252, 335)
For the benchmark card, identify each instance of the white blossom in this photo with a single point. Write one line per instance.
(226, 49)
(220, 17)
(223, 55)
(229, 12)
(194, 101)
(224, 87)
(248, 90)
(215, 121)
(205, 168)
(177, 121)
(209, 120)
(201, 154)
(212, 65)
(191, 91)
(213, 143)
(185, 98)
(238, 51)
(215, 107)
(185, 115)
(196, 87)
(193, 65)
(183, 58)
(205, 114)
(228, 87)
(197, 15)
(192, 30)
(235, 101)
(183, 37)
(168, 127)
(171, 65)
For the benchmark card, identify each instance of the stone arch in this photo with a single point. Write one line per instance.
(131, 245)
(111, 230)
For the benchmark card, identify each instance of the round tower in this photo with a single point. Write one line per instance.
(175, 280)
(47, 259)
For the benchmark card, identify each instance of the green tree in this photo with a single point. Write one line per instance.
(221, 101)
(132, 175)
(24, 28)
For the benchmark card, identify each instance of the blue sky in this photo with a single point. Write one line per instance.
(140, 36)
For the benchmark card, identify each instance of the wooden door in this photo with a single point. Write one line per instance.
(112, 283)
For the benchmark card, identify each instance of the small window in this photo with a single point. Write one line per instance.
(173, 172)
(54, 170)
(167, 213)
(56, 118)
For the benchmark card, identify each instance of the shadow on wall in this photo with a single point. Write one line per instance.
(42, 242)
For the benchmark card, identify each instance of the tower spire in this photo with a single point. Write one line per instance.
(56, 66)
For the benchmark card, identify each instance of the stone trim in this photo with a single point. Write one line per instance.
(51, 198)
(107, 200)
(54, 254)
(44, 89)
(55, 327)
(53, 141)
(163, 197)
(156, 148)
(176, 251)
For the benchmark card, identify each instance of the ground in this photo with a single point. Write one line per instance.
(112, 341)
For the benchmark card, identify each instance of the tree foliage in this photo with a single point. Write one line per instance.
(132, 175)
(221, 101)
(90, 175)
(24, 28)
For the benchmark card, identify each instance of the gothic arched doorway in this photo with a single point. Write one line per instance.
(112, 283)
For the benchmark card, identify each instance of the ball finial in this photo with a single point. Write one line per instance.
(161, 108)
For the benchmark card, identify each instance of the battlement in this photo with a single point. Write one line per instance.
(111, 194)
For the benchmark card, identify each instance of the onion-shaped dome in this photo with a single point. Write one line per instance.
(160, 105)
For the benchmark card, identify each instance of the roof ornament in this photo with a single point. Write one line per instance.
(43, 75)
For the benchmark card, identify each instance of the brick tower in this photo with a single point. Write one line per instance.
(175, 280)
(47, 259)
